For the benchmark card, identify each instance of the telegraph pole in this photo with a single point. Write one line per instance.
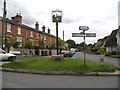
(63, 35)
(3, 25)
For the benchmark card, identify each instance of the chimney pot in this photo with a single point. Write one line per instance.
(48, 31)
(19, 18)
(43, 28)
(37, 26)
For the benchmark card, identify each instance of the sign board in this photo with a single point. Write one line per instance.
(90, 34)
(83, 28)
(81, 35)
(77, 35)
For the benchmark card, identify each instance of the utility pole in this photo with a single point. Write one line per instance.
(63, 35)
(4, 25)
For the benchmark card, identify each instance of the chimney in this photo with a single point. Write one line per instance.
(13, 19)
(43, 28)
(48, 31)
(19, 18)
(37, 26)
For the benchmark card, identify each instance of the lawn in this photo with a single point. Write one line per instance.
(66, 65)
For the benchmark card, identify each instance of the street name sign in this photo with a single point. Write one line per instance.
(83, 28)
(77, 35)
(81, 34)
(90, 34)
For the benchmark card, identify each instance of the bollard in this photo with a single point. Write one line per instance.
(101, 61)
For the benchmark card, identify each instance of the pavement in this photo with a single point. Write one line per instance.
(116, 73)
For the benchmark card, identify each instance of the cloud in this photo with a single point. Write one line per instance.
(69, 20)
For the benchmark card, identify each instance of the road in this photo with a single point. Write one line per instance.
(113, 61)
(22, 80)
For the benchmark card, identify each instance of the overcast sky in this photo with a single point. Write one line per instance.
(101, 16)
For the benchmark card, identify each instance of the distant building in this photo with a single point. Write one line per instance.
(113, 42)
(18, 32)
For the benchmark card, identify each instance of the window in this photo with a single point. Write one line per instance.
(19, 30)
(19, 39)
(32, 41)
(44, 38)
(8, 27)
(37, 35)
(26, 34)
(31, 34)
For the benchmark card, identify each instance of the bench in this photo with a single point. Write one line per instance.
(57, 57)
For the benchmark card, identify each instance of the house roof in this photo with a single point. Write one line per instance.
(24, 26)
(112, 40)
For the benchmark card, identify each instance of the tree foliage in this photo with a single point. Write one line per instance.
(61, 44)
(28, 44)
(71, 43)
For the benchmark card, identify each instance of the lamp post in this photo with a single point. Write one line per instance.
(57, 17)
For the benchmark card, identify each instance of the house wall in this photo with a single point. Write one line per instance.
(118, 37)
(26, 34)
(111, 49)
(0, 33)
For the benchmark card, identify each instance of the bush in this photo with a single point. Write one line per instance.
(93, 50)
(114, 53)
(100, 51)
(108, 54)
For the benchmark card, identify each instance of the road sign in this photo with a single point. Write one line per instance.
(77, 35)
(81, 34)
(83, 28)
(90, 34)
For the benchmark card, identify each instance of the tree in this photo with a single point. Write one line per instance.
(16, 44)
(28, 44)
(71, 43)
(61, 44)
(41, 44)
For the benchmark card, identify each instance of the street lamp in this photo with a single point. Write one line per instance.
(57, 17)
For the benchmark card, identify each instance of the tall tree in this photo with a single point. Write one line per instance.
(71, 43)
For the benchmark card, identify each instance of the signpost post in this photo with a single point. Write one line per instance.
(83, 34)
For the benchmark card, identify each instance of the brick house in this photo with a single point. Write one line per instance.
(18, 32)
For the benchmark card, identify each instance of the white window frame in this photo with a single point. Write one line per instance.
(31, 34)
(19, 30)
(37, 35)
(19, 39)
(8, 27)
(44, 38)
(26, 33)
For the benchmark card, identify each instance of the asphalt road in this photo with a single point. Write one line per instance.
(114, 61)
(22, 80)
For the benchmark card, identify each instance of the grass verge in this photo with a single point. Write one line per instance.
(67, 65)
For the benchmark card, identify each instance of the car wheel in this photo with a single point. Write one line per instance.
(11, 58)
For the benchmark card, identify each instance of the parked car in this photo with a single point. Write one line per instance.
(66, 53)
(6, 56)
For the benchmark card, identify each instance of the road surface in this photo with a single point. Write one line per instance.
(114, 61)
(22, 80)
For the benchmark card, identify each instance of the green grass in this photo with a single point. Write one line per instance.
(67, 65)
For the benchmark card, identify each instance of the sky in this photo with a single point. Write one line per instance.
(101, 16)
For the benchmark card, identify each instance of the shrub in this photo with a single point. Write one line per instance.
(108, 54)
(93, 50)
(100, 51)
(114, 53)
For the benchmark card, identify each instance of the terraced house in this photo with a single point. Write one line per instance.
(18, 32)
